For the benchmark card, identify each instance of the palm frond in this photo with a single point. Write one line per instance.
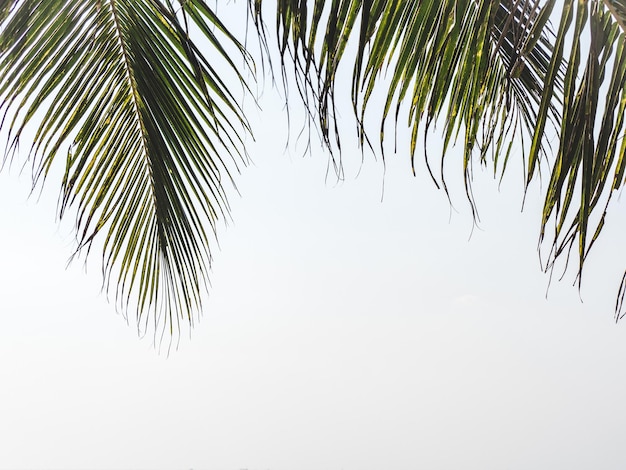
(493, 73)
(146, 127)
(589, 163)
(480, 63)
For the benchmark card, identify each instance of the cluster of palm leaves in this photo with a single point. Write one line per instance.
(136, 100)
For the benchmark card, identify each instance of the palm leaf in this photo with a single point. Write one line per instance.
(480, 63)
(147, 129)
(591, 129)
(492, 73)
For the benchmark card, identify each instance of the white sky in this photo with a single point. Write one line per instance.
(341, 332)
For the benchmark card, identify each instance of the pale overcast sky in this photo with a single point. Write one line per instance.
(341, 332)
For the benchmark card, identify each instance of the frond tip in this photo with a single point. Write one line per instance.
(150, 131)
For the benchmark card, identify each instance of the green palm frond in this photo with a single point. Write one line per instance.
(149, 132)
(549, 74)
(477, 65)
(617, 9)
(146, 126)
(589, 163)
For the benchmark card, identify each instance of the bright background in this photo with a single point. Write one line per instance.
(351, 325)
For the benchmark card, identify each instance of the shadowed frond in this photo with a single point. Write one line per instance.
(147, 129)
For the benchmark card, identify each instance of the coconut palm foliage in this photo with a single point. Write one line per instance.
(145, 126)
(549, 75)
(131, 95)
